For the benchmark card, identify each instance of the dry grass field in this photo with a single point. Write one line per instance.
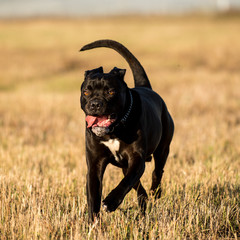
(193, 62)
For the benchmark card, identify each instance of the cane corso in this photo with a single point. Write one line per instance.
(124, 127)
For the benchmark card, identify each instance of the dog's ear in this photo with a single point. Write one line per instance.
(93, 71)
(118, 71)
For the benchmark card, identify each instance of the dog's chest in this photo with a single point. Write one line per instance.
(114, 146)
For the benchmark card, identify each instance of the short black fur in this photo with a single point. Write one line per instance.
(147, 130)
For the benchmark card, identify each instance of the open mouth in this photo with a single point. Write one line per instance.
(99, 121)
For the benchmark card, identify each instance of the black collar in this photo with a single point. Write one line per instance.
(125, 117)
(123, 120)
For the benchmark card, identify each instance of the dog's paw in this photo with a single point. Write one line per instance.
(105, 207)
(110, 203)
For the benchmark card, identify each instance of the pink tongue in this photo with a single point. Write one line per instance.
(90, 120)
(102, 121)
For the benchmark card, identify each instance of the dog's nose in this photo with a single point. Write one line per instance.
(96, 104)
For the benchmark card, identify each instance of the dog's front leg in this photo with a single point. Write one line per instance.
(94, 187)
(135, 170)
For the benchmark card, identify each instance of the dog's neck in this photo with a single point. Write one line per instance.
(123, 121)
(125, 117)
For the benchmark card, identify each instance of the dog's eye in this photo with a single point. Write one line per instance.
(111, 92)
(86, 93)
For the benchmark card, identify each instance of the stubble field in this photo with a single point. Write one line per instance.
(192, 62)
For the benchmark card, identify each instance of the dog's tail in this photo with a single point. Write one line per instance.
(139, 74)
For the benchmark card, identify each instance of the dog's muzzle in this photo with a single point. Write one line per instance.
(100, 124)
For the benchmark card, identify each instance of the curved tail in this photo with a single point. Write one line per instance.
(139, 74)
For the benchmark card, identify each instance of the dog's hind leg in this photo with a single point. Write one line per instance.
(160, 158)
(161, 153)
(141, 193)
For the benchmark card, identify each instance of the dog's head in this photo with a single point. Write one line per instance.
(103, 98)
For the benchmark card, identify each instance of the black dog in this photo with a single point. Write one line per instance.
(124, 127)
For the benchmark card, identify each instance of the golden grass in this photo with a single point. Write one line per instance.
(193, 62)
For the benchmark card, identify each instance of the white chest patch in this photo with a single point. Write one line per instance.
(114, 146)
